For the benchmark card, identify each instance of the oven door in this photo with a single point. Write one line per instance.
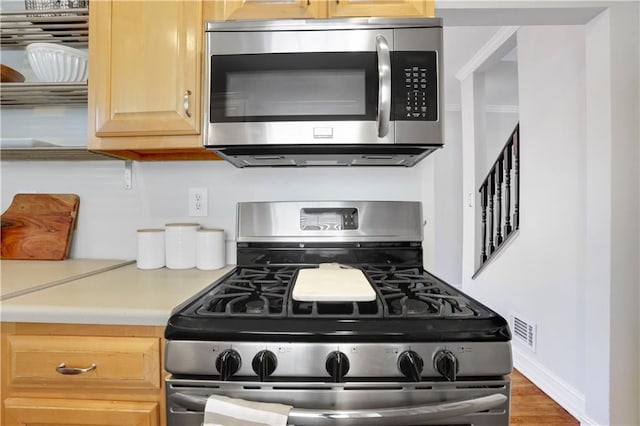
(477, 402)
(298, 87)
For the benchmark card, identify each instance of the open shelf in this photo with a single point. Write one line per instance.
(18, 95)
(22, 27)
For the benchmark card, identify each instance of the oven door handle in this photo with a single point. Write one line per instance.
(410, 415)
(384, 86)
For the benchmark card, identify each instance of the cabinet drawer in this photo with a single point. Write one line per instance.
(53, 412)
(120, 362)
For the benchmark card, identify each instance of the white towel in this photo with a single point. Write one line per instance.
(224, 411)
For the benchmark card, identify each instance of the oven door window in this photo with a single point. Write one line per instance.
(339, 86)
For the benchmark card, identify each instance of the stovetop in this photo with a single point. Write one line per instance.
(254, 303)
(402, 292)
(382, 238)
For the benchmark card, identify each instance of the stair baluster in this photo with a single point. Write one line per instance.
(483, 204)
(492, 193)
(499, 177)
(507, 190)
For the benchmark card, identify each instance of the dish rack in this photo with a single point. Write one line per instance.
(19, 28)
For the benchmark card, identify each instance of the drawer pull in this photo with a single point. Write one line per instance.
(71, 371)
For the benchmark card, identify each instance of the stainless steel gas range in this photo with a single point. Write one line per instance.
(419, 352)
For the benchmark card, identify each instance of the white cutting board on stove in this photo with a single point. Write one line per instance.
(330, 282)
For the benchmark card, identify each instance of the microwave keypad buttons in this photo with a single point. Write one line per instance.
(416, 82)
(414, 85)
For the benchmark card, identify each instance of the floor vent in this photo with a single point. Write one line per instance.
(523, 331)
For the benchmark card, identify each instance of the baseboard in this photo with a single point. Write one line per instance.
(557, 389)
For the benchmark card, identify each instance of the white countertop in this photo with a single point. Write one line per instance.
(23, 276)
(125, 295)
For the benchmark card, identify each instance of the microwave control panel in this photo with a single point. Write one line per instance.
(415, 86)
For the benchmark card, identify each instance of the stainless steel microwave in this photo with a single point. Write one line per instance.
(354, 92)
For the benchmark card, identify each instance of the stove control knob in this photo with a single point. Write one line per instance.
(228, 363)
(337, 365)
(264, 364)
(410, 364)
(446, 363)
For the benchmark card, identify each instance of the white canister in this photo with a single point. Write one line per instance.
(180, 244)
(150, 249)
(210, 249)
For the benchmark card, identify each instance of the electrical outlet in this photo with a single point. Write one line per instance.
(198, 203)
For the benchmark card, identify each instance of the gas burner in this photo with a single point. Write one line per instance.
(411, 306)
(254, 307)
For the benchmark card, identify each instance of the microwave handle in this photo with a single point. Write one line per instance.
(384, 86)
(411, 415)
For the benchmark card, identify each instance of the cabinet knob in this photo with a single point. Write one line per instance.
(72, 371)
(187, 93)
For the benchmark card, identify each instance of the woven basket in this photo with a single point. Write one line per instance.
(55, 4)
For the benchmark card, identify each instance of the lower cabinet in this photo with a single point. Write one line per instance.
(39, 411)
(68, 374)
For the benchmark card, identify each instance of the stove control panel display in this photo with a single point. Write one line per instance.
(329, 219)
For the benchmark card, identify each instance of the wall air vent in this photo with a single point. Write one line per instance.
(523, 331)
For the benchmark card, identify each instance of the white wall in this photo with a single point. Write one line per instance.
(448, 203)
(459, 44)
(499, 126)
(624, 140)
(109, 214)
(539, 276)
(501, 104)
(580, 153)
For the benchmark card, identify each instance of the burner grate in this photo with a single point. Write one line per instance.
(410, 292)
(402, 293)
(336, 309)
(252, 292)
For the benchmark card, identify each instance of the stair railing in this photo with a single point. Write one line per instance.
(500, 200)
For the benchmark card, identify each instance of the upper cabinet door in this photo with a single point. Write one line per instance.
(407, 8)
(223, 10)
(144, 67)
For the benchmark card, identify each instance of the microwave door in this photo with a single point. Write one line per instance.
(337, 94)
(284, 87)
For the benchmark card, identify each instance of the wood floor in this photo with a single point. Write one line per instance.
(531, 406)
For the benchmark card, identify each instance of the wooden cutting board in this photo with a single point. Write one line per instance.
(39, 226)
(332, 283)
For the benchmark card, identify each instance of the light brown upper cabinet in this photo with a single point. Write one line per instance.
(264, 9)
(224, 10)
(390, 8)
(145, 77)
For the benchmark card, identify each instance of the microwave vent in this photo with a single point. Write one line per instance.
(328, 155)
